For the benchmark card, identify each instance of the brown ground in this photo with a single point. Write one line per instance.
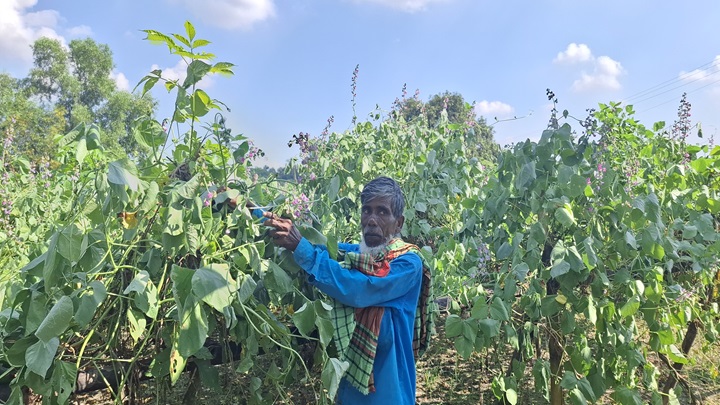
(442, 378)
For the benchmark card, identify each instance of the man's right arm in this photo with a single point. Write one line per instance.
(353, 287)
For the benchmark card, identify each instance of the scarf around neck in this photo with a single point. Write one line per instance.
(357, 329)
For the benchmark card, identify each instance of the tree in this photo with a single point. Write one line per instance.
(479, 137)
(23, 124)
(75, 83)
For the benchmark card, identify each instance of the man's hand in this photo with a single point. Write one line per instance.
(284, 232)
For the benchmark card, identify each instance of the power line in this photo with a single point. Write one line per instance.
(700, 69)
(675, 99)
(677, 87)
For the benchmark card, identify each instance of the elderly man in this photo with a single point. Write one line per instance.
(381, 290)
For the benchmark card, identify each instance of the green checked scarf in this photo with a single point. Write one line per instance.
(357, 329)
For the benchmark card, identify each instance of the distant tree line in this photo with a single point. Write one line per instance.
(64, 87)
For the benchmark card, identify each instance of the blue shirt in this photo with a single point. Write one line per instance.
(398, 292)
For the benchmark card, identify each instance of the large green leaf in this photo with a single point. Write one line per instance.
(39, 357)
(123, 173)
(196, 70)
(214, 285)
(304, 319)
(57, 320)
(332, 373)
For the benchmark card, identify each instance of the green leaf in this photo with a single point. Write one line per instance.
(190, 30)
(630, 240)
(504, 251)
(173, 221)
(453, 326)
(312, 235)
(192, 319)
(520, 271)
(57, 320)
(627, 396)
(63, 380)
(630, 307)
(511, 396)
(676, 355)
(201, 103)
(246, 287)
(559, 268)
(182, 39)
(657, 251)
(15, 354)
(498, 310)
(277, 280)
(332, 374)
(81, 150)
(420, 206)
(196, 70)
(304, 319)
(69, 243)
(526, 176)
(576, 397)
(541, 375)
(90, 300)
(53, 266)
(565, 216)
(214, 285)
(137, 322)
(200, 43)
(39, 357)
(123, 173)
(334, 188)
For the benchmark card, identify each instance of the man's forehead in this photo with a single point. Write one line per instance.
(378, 201)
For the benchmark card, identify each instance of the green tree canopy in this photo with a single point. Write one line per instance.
(479, 137)
(71, 86)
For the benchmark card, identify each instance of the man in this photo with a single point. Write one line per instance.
(382, 291)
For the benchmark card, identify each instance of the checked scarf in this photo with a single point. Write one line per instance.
(357, 329)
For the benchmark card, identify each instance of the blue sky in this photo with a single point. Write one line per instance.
(295, 58)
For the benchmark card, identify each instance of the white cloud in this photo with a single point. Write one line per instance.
(409, 6)
(574, 53)
(703, 74)
(494, 108)
(603, 77)
(42, 18)
(121, 81)
(81, 31)
(20, 28)
(602, 72)
(230, 14)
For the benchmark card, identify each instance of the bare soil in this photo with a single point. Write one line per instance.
(443, 377)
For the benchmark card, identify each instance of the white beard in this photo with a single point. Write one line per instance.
(374, 251)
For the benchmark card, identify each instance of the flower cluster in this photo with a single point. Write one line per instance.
(484, 256)
(471, 116)
(300, 206)
(326, 130)
(353, 88)
(681, 127)
(253, 153)
(307, 147)
(484, 261)
(6, 210)
(207, 198)
(632, 168)
(9, 136)
(598, 174)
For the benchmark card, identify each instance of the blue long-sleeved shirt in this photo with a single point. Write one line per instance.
(398, 292)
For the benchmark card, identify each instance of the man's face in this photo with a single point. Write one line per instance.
(378, 222)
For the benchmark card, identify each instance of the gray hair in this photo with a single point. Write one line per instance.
(385, 187)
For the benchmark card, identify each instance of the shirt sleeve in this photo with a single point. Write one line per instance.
(352, 287)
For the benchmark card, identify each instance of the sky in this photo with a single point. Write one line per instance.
(295, 58)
